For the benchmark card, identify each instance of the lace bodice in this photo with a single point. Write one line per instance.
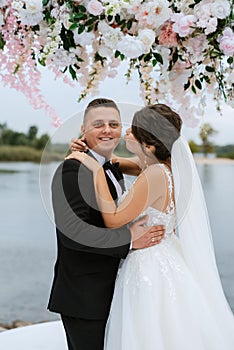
(156, 217)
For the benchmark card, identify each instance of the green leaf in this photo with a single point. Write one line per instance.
(2, 42)
(147, 57)
(194, 90)
(42, 62)
(73, 73)
(198, 84)
(45, 2)
(90, 28)
(81, 8)
(117, 53)
(230, 60)
(81, 28)
(129, 24)
(73, 26)
(154, 62)
(210, 69)
(80, 16)
(122, 56)
(117, 18)
(187, 85)
(158, 57)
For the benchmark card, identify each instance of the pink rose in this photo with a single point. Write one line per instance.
(183, 24)
(167, 37)
(226, 42)
(95, 7)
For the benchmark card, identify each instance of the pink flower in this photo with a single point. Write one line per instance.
(183, 24)
(226, 42)
(95, 7)
(167, 37)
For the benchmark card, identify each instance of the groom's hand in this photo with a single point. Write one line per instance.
(144, 237)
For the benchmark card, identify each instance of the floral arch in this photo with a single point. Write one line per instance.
(181, 49)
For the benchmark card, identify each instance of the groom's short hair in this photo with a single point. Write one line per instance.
(100, 102)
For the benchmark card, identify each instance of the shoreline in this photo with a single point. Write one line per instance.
(204, 160)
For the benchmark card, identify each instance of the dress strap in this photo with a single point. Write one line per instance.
(171, 204)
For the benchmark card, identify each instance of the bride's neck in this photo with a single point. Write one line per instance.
(145, 161)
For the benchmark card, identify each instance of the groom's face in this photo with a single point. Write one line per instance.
(102, 130)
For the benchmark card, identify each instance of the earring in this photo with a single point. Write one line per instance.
(145, 161)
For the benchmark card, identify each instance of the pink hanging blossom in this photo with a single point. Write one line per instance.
(226, 41)
(167, 37)
(18, 67)
(183, 24)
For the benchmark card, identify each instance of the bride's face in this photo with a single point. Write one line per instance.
(132, 144)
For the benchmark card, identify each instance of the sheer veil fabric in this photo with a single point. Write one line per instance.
(195, 234)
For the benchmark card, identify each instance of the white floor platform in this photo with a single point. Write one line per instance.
(42, 336)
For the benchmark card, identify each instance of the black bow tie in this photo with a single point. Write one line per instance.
(114, 168)
(111, 166)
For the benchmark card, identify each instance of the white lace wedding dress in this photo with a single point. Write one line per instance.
(157, 304)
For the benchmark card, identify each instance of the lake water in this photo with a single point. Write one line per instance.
(27, 238)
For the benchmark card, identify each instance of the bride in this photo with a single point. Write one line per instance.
(168, 296)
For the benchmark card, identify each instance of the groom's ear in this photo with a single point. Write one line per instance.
(82, 129)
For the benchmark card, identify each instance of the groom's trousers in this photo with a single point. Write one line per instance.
(84, 334)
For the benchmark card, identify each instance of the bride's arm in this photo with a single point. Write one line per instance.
(128, 166)
(149, 188)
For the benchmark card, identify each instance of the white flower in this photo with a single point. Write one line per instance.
(95, 7)
(33, 5)
(211, 25)
(220, 8)
(154, 13)
(104, 51)
(147, 37)
(63, 58)
(183, 24)
(2, 22)
(84, 38)
(110, 36)
(3, 3)
(196, 47)
(113, 7)
(131, 47)
(203, 10)
(32, 13)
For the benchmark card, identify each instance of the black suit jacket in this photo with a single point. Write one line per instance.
(88, 253)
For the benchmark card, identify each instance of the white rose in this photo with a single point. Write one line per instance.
(131, 47)
(147, 37)
(203, 10)
(33, 5)
(95, 7)
(220, 8)
(84, 38)
(211, 25)
(110, 36)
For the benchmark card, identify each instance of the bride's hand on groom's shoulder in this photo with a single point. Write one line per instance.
(86, 160)
(78, 145)
(145, 237)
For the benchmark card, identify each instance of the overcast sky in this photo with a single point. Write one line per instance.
(19, 115)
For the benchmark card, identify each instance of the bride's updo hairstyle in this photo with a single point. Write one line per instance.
(157, 125)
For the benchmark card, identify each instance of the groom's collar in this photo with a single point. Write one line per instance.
(101, 160)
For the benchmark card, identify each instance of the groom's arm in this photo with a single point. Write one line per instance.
(73, 197)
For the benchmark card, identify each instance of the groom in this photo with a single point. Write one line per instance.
(88, 253)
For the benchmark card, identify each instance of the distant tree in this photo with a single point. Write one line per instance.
(195, 148)
(32, 134)
(206, 132)
(41, 142)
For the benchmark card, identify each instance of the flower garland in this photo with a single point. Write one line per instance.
(180, 49)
